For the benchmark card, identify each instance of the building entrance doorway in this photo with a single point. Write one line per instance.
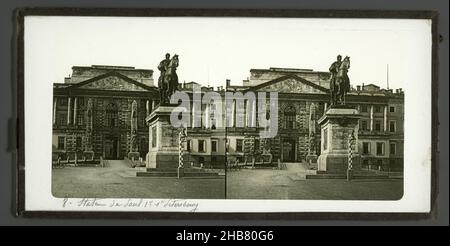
(110, 148)
(288, 150)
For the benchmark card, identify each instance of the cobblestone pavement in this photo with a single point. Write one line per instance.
(285, 184)
(118, 180)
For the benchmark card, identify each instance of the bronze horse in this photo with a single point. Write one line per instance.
(170, 80)
(342, 82)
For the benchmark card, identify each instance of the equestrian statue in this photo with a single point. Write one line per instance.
(339, 82)
(168, 79)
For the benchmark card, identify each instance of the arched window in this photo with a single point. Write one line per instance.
(289, 117)
(111, 118)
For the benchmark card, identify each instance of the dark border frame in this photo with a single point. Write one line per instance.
(269, 13)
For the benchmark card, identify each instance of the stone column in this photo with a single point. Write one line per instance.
(233, 114)
(371, 118)
(207, 116)
(385, 117)
(325, 106)
(254, 114)
(245, 114)
(193, 115)
(75, 111)
(55, 101)
(69, 102)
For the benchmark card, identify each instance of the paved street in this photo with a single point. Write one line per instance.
(118, 180)
(287, 184)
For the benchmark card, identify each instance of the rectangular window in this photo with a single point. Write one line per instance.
(392, 109)
(201, 145)
(62, 118)
(364, 125)
(325, 138)
(80, 118)
(62, 101)
(78, 143)
(392, 148)
(380, 148)
(366, 148)
(256, 147)
(213, 123)
(239, 145)
(364, 108)
(290, 121)
(61, 142)
(391, 126)
(378, 125)
(377, 109)
(213, 146)
(111, 119)
(188, 145)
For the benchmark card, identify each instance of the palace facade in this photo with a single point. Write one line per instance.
(119, 96)
(94, 108)
(303, 97)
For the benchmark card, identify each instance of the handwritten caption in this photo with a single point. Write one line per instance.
(167, 204)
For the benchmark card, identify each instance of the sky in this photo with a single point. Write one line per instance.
(212, 50)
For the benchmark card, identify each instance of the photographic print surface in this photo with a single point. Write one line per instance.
(186, 112)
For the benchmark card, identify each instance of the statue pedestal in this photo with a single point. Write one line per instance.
(337, 125)
(163, 144)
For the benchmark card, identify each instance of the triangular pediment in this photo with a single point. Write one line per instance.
(112, 82)
(291, 84)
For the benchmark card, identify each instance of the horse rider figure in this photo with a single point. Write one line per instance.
(334, 69)
(342, 80)
(171, 77)
(163, 66)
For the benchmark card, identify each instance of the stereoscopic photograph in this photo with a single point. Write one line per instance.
(185, 113)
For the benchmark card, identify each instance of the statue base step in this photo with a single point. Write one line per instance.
(337, 163)
(163, 159)
(179, 173)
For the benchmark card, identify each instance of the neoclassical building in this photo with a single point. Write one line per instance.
(303, 98)
(101, 110)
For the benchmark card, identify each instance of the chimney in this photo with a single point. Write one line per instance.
(228, 82)
(362, 86)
